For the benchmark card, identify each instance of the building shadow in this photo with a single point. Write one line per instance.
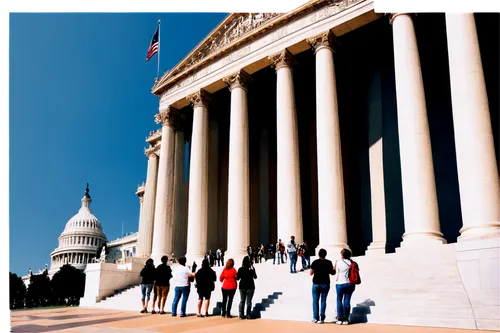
(360, 312)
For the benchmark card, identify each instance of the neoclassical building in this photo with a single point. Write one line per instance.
(80, 240)
(332, 123)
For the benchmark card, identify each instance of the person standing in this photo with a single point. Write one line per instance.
(163, 276)
(292, 252)
(148, 279)
(305, 256)
(218, 255)
(228, 278)
(205, 284)
(246, 276)
(182, 286)
(321, 269)
(344, 287)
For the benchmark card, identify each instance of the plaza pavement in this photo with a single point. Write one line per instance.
(86, 320)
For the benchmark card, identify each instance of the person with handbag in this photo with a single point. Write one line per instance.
(205, 284)
(344, 287)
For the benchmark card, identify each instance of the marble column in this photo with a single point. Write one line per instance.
(331, 202)
(198, 180)
(140, 194)
(145, 239)
(264, 219)
(289, 200)
(180, 226)
(162, 234)
(417, 169)
(476, 161)
(238, 203)
(376, 162)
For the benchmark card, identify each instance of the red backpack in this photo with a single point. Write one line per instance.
(354, 277)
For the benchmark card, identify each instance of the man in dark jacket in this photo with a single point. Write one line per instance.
(163, 276)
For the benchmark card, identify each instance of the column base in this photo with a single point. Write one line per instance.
(196, 257)
(377, 248)
(237, 256)
(422, 239)
(484, 231)
(332, 251)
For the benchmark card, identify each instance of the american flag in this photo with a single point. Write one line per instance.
(153, 46)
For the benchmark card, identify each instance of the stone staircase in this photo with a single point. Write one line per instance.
(409, 287)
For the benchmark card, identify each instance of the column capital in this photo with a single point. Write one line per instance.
(152, 150)
(281, 59)
(140, 190)
(169, 117)
(392, 16)
(199, 98)
(326, 39)
(240, 79)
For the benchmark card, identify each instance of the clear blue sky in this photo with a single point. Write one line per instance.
(80, 109)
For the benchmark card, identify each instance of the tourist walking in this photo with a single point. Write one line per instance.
(205, 284)
(246, 276)
(163, 276)
(182, 286)
(321, 269)
(148, 279)
(218, 256)
(228, 278)
(292, 252)
(344, 287)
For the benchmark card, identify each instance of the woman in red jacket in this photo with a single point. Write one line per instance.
(229, 285)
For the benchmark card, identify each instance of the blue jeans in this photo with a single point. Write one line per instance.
(320, 291)
(293, 262)
(184, 291)
(246, 296)
(306, 262)
(146, 291)
(278, 254)
(344, 293)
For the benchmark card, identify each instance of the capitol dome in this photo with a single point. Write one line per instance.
(80, 239)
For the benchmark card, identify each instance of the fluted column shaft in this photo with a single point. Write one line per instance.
(476, 161)
(331, 202)
(198, 180)
(238, 213)
(162, 235)
(145, 240)
(417, 170)
(288, 170)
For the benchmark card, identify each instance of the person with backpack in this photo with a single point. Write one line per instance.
(321, 269)
(163, 276)
(347, 278)
(205, 284)
(148, 279)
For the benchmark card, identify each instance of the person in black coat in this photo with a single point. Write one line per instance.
(205, 284)
(148, 279)
(246, 276)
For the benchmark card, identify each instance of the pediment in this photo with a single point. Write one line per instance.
(234, 28)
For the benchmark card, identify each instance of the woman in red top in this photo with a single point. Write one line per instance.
(229, 285)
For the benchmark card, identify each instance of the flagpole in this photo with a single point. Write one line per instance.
(158, 72)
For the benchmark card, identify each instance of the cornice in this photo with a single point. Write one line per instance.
(197, 59)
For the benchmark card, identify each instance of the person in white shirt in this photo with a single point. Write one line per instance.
(182, 283)
(344, 287)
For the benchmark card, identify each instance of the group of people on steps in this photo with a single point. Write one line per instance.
(157, 279)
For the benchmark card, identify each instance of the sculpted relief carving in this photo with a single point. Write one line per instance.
(241, 25)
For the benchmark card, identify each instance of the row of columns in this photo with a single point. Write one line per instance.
(81, 240)
(477, 170)
(72, 258)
